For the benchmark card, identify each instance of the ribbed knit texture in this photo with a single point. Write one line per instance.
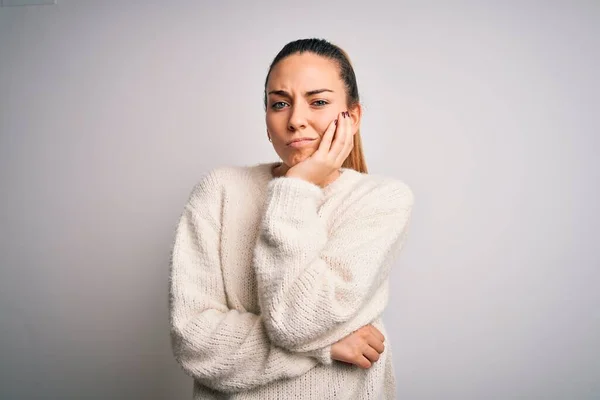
(267, 273)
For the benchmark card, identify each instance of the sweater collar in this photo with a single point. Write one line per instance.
(348, 174)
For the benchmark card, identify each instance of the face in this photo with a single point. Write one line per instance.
(304, 94)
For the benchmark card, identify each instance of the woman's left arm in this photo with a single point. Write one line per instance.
(311, 282)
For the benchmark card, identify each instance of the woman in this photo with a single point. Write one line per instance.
(279, 271)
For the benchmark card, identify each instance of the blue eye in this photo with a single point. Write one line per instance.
(274, 105)
(281, 104)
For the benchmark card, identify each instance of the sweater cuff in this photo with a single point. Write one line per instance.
(289, 194)
(323, 355)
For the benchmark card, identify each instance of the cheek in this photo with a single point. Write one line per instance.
(269, 121)
(273, 119)
(322, 123)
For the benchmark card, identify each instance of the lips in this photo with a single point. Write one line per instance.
(301, 140)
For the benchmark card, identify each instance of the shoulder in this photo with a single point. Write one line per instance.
(224, 175)
(212, 182)
(383, 191)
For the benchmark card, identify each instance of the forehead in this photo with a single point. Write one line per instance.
(305, 71)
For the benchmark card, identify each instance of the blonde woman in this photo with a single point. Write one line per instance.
(279, 271)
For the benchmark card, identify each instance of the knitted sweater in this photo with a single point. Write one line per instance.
(267, 273)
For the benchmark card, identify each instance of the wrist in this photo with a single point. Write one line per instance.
(323, 355)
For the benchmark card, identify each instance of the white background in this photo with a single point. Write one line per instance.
(110, 111)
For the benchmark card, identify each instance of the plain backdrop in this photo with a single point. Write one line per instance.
(110, 111)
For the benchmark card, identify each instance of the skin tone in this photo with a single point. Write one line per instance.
(361, 348)
(306, 98)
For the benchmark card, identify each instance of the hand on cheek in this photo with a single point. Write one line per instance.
(336, 144)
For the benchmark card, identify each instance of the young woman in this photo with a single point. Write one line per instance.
(279, 271)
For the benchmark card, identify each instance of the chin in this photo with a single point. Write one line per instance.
(298, 157)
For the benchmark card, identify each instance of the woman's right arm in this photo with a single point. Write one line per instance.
(224, 349)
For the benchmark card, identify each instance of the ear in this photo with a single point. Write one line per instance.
(356, 116)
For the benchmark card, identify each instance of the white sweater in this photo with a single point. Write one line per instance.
(267, 273)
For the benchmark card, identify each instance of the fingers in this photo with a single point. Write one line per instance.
(377, 332)
(347, 143)
(371, 354)
(350, 139)
(362, 347)
(363, 362)
(339, 148)
(325, 145)
(338, 140)
(375, 343)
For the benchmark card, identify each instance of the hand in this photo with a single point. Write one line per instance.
(329, 157)
(362, 347)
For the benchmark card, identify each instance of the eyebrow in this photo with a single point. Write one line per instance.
(309, 93)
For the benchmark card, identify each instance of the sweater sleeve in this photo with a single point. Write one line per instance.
(317, 285)
(223, 349)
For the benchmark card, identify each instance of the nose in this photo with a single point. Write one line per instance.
(297, 118)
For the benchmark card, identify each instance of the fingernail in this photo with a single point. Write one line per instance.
(347, 114)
